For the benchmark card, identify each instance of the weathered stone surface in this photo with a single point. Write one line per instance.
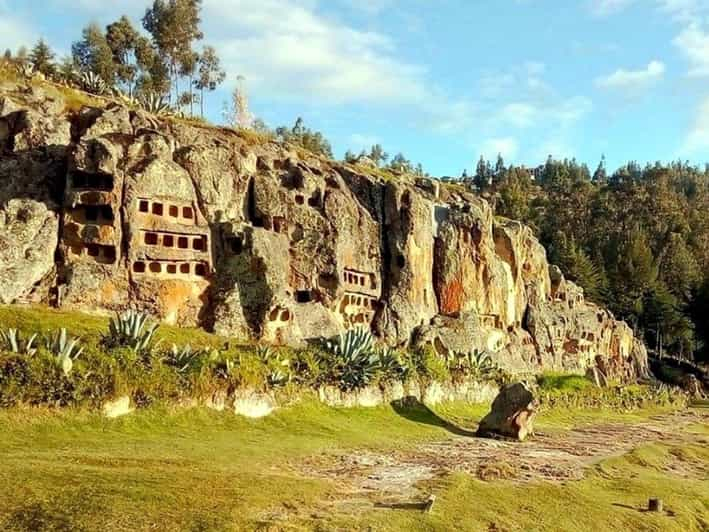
(511, 415)
(266, 242)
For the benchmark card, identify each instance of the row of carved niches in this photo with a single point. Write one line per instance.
(100, 253)
(168, 269)
(182, 214)
(162, 239)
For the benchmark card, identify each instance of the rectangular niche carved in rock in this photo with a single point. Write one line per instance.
(171, 240)
(303, 296)
(236, 244)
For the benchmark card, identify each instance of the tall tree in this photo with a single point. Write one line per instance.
(500, 170)
(209, 74)
(174, 26)
(600, 176)
(378, 155)
(42, 58)
(93, 54)
(133, 55)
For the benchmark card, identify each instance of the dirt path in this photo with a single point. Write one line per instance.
(367, 478)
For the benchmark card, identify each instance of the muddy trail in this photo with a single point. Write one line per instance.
(371, 479)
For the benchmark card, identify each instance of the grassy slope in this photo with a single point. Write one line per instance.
(89, 327)
(200, 470)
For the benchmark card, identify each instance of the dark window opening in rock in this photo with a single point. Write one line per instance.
(172, 269)
(139, 267)
(182, 242)
(155, 267)
(93, 250)
(143, 206)
(187, 213)
(314, 200)
(372, 282)
(285, 315)
(257, 221)
(107, 213)
(279, 224)
(303, 296)
(273, 316)
(151, 239)
(76, 250)
(185, 268)
(174, 211)
(109, 254)
(299, 199)
(157, 209)
(400, 261)
(198, 244)
(91, 213)
(79, 181)
(236, 244)
(168, 241)
(200, 270)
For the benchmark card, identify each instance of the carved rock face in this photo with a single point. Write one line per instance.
(199, 227)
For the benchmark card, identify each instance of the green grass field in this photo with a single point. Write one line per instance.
(200, 470)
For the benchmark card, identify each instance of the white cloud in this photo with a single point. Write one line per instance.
(697, 141)
(693, 42)
(518, 114)
(505, 146)
(285, 48)
(633, 79)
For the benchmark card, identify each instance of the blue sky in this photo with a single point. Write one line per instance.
(446, 80)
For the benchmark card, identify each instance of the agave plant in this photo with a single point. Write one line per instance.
(154, 103)
(351, 344)
(127, 99)
(352, 362)
(131, 329)
(64, 348)
(391, 364)
(278, 367)
(11, 340)
(93, 83)
(183, 359)
(25, 69)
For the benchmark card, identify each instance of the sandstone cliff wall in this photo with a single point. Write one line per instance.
(107, 209)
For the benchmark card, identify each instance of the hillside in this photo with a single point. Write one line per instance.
(106, 208)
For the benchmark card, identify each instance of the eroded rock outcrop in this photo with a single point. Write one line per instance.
(107, 209)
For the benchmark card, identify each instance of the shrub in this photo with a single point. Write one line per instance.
(184, 359)
(155, 104)
(131, 330)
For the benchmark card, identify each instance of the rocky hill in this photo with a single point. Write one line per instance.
(108, 208)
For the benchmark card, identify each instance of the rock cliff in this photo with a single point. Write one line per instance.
(105, 209)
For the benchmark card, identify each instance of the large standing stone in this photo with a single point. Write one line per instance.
(512, 414)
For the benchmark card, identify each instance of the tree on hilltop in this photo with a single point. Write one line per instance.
(93, 54)
(209, 74)
(42, 58)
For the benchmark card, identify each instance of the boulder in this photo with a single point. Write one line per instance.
(512, 414)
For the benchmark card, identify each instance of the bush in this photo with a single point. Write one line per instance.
(563, 382)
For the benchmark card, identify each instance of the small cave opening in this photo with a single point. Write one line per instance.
(236, 244)
(400, 261)
(303, 296)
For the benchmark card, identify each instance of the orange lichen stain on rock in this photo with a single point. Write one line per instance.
(174, 296)
(451, 297)
(108, 293)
